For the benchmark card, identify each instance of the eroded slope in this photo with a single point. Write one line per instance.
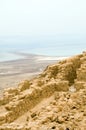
(56, 99)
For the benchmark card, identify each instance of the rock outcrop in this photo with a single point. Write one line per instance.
(56, 99)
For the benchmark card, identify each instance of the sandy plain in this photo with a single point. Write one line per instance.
(13, 72)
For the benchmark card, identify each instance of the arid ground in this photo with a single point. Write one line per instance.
(54, 99)
(13, 72)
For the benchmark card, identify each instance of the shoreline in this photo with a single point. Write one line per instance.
(14, 71)
(22, 55)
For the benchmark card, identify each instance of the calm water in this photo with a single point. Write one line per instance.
(54, 49)
(7, 56)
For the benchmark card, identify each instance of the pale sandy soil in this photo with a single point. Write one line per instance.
(13, 72)
(14, 80)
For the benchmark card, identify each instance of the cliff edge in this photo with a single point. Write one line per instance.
(55, 99)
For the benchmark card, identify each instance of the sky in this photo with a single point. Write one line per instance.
(43, 20)
(43, 24)
(38, 17)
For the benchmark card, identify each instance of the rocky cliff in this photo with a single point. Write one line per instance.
(56, 99)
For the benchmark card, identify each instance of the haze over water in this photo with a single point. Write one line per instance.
(7, 52)
(54, 28)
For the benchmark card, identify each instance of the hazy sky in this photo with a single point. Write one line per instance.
(42, 17)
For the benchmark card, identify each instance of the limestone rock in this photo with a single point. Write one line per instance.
(56, 99)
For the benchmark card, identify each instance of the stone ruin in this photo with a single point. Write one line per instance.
(66, 82)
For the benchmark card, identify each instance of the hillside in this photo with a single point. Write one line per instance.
(56, 99)
(14, 71)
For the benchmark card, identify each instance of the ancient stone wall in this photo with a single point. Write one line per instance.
(55, 78)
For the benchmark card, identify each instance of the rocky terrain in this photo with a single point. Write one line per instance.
(56, 99)
(14, 71)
